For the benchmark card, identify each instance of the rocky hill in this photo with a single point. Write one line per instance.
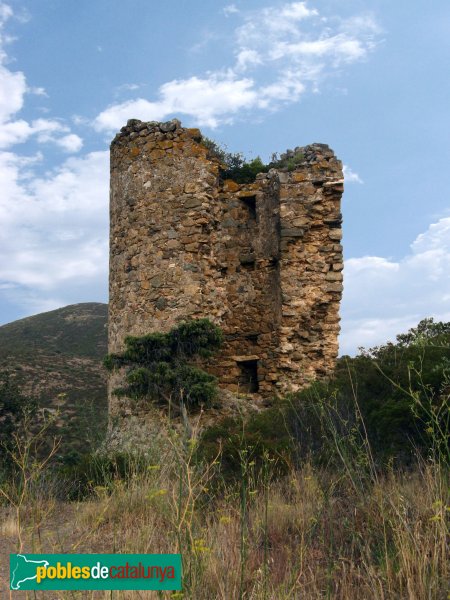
(57, 357)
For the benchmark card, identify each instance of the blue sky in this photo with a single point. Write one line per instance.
(370, 78)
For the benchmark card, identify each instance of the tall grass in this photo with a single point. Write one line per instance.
(345, 531)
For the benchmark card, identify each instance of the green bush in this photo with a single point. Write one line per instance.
(245, 172)
(157, 367)
(84, 474)
(382, 406)
(403, 389)
(235, 167)
(262, 437)
(394, 397)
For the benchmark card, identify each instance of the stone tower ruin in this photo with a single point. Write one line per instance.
(262, 260)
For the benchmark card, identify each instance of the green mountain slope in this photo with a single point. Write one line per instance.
(57, 357)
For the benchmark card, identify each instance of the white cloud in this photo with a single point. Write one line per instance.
(247, 58)
(284, 51)
(340, 47)
(295, 11)
(127, 87)
(230, 9)
(209, 100)
(70, 143)
(383, 297)
(299, 36)
(263, 27)
(12, 85)
(37, 91)
(45, 130)
(6, 12)
(13, 90)
(54, 239)
(350, 176)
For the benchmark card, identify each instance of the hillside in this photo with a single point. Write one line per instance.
(60, 352)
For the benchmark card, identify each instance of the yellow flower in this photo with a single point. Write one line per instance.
(156, 493)
(436, 518)
(199, 546)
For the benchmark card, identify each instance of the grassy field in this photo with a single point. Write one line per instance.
(340, 491)
(346, 533)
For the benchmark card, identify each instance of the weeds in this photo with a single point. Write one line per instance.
(331, 523)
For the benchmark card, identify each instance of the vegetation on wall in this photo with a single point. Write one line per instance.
(237, 168)
(158, 365)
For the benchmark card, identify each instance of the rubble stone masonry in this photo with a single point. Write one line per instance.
(261, 260)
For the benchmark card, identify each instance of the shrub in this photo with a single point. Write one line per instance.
(383, 405)
(234, 165)
(15, 410)
(157, 367)
(85, 474)
(403, 389)
(262, 436)
(394, 396)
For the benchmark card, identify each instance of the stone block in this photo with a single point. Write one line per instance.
(294, 232)
(192, 203)
(335, 234)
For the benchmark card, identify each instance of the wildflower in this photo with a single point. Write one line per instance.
(156, 493)
(435, 518)
(199, 546)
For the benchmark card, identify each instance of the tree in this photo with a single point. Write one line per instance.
(158, 365)
(403, 387)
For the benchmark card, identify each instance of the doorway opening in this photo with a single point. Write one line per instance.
(248, 380)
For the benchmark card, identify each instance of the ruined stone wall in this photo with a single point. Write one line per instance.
(262, 260)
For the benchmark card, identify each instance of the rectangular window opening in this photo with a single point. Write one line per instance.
(248, 380)
(250, 203)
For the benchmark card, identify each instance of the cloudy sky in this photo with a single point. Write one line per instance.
(370, 78)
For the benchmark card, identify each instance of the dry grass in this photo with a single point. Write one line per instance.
(310, 535)
(9, 527)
